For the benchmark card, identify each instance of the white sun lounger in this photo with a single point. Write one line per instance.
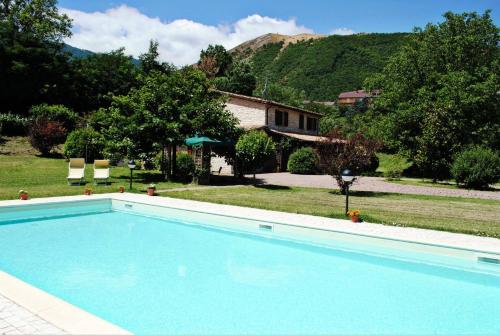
(101, 171)
(76, 172)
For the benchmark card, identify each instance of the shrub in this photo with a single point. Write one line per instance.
(393, 166)
(476, 167)
(58, 113)
(253, 149)
(46, 134)
(303, 161)
(339, 151)
(12, 124)
(185, 167)
(86, 143)
(371, 168)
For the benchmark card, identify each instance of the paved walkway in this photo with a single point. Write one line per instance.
(16, 320)
(371, 184)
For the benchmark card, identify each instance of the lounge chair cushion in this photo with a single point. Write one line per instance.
(101, 173)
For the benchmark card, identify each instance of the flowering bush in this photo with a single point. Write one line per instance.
(46, 134)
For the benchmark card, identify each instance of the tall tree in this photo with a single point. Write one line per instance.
(162, 112)
(150, 61)
(239, 79)
(440, 92)
(33, 67)
(101, 76)
(219, 54)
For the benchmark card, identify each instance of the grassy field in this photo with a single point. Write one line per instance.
(471, 216)
(21, 168)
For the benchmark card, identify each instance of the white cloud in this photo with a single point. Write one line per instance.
(180, 40)
(342, 31)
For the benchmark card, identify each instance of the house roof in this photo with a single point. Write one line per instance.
(302, 137)
(270, 103)
(354, 94)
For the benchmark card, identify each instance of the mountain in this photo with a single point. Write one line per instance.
(82, 53)
(76, 52)
(321, 66)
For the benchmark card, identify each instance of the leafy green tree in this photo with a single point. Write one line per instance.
(239, 79)
(85, 142)
(40, 19)
(253, 149)
(150, 62)
(221, 57)
(440, 92)
(101, 76)
(161, 113)
(33, 66)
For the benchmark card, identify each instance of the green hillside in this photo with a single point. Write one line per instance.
(325, 67)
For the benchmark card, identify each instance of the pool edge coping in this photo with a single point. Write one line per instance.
(59, 313)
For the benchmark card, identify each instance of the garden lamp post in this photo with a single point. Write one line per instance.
(131, 166)
(347, 178)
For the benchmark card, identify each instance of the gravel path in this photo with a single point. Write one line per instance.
(372, 184)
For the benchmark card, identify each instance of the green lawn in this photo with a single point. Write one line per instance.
(471, 216)
(425, 182)
(21, 168)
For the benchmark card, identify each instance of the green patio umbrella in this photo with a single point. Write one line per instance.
(194, 141)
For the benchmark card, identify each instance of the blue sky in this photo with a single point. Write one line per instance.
(184, 27)
(320, 15)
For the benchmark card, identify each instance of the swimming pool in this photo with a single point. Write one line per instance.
(176, 271)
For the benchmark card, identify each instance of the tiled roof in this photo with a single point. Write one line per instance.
(269, 102)
(354, 94)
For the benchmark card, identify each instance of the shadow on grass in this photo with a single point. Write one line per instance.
(362, 194)
(143, 177)
(273, 187)
(52, 155)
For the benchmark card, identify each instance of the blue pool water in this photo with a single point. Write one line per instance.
(153, 276)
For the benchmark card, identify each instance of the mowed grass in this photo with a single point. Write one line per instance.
(463, 215)
(21, 168)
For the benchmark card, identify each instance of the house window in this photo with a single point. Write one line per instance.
(301, 121)
(312, 124)
(281, 118)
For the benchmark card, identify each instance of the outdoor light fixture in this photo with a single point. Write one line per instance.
(131, 166)
(347, 178)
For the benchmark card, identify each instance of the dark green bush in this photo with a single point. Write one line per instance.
(371, 169)
(185, 167)
(476, 167)
(57, 113)
(86, 143)
(303, 161)
(12, 124)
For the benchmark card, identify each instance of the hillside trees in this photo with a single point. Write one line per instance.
(440, 92)
(227, 75)
(100, 76)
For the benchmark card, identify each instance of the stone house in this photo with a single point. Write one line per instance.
(294, 126)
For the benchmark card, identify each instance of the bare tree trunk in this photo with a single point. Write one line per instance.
(174, 159)
(169, 163)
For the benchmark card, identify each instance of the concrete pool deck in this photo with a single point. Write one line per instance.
(70, 319)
